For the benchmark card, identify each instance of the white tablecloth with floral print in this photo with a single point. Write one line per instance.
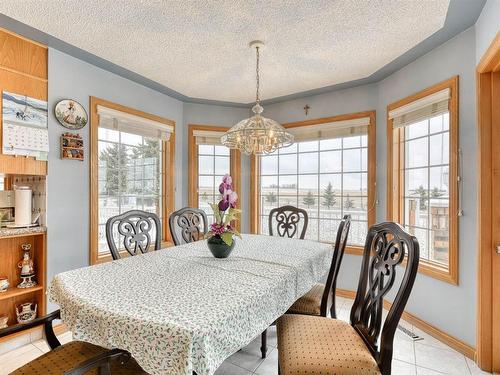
(180, 310)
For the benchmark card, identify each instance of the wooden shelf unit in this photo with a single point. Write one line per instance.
(10, 254)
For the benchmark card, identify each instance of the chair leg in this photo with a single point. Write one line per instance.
(263, 347)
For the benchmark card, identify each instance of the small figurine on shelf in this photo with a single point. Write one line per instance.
(3, 321)
(26, 312)
(27, 268)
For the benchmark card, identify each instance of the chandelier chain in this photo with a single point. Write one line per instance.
(258, 78)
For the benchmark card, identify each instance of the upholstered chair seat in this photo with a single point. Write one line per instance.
(67, 356)
(309, 303)
(320, 346)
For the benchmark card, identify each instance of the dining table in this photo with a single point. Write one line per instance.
(179, 310)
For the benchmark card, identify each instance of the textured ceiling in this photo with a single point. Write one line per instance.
(200, 48)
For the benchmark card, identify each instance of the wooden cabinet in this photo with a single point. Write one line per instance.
(23, 70)
(10, 254)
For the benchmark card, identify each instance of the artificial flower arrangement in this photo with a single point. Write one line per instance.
(224, 212)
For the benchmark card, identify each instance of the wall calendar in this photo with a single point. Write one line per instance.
(24, 126)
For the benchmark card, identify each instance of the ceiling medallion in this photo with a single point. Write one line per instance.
(257, 135)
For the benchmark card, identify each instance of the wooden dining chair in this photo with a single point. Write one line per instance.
(320, 300)
(185, 225)
(137, 230)
(75, 357)
(287, 220)
(317, 345)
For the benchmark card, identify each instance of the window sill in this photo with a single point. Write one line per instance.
(441, 273)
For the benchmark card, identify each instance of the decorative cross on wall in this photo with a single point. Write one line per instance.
(306, 109)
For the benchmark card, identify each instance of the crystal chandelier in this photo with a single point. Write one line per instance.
(257, 135)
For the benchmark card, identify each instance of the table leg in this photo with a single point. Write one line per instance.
(263, 348)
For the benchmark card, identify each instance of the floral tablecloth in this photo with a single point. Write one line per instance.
(179, 310)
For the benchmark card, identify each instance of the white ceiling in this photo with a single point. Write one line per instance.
(200, 48)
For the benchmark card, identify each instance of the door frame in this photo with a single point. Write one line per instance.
(487, 89)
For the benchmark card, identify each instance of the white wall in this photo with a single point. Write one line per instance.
(451, 308)
(68, 180)
(487, 27)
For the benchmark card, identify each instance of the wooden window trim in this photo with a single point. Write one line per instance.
(255, 173)
(168, 183)
(395, 205)
(235, 166)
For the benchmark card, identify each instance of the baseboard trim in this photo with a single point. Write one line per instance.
(60, 328)
(451, 341)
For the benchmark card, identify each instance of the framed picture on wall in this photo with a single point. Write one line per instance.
(71, 114)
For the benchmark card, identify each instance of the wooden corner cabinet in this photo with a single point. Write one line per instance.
(23, 71)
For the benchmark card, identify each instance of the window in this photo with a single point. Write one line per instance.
(128, 164)
(209, 161)
(423, 150)
(328, 171)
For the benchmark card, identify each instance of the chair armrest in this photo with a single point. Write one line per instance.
(45, 320)
(101, 361)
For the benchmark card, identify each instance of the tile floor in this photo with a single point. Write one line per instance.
(426, 357)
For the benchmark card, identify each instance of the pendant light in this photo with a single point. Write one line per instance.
(257, 135)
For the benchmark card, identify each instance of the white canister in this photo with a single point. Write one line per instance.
(22, 197)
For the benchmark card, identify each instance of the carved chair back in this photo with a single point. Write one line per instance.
(288, 220)
(328, 298)
(136, 230)
(185, 225)
(387, 245)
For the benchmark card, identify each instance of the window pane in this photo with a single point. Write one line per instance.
(205, 164)
(352, 160)
(269, 164)
(308, 146)
(330, 206)
(288, 164)
(269, 183)
(309, 203)
(416, 182)
(221, 165)
(416, 212)
(330, 144)
(350, 142)
(206, 184)
(335, 180)
(357, 233)
(353, 184)
(422, 237)
(308, 182)
(416, 153)
(330, 161)
(312, 230)
(308, 163)
(205, 150)
(288, 185)
(131, 139)
(440, 243)
(292, 149)
(439, 177)
(328, 230)
(108, 135)
(439, 148)
(418, 129)
(438, 123)
(221, 150)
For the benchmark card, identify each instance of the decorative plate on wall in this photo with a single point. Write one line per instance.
(71, 114)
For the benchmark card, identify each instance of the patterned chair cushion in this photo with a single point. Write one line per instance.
(309, 303)
(322, 346)
(68, 356)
